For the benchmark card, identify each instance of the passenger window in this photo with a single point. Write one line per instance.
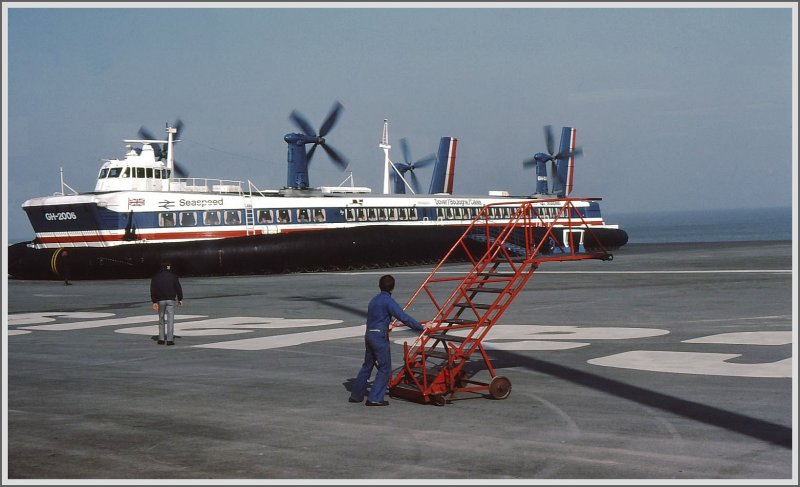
(412, 214)
(382, 214)
(362, 214)
(302, 216)
(188, 219)
(372, 214)
(232, 217)
(149, 173)
(350, 215)
(211, 218)
(166, 219)
(319, 215)
(283, 216)
(403, 214)
(157, 173)
(393, 214)
(264, 216)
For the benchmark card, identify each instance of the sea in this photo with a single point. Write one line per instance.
(728, 225)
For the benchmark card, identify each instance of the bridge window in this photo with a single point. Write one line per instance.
(319, 215)
(264, 216)
(188, 219)
(211, 218)
(284, 216)
(149, 173)
(103, 173)
(125, 172)
(165, 173)
(114, 172)
(140, 172)
(166, 219)
(233, 217)
(157, 173)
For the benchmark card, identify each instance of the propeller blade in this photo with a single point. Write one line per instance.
(406, 152)
(337, 158)
(529, 162)
(414, 181)
(311, 153)
(179, 170)
(145, 134)
(424, 162)
(566, 155)
(548, 137)
(330, 121)
(178, 126)
(302, 123)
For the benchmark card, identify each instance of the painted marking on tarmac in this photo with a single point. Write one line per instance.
(231, 325)
(542, 337)
(18, 332)
(47, 317)
(694, 363)
(292, 339)
(80, 325)
(747, 338)
(504, 337)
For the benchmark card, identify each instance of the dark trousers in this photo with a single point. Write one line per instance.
(376, 354)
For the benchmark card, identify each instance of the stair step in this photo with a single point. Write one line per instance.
(448, 338)
(472, 305)
(437, 354)
(497, 274)
(510, 259)
(495, 290)
(460, 321)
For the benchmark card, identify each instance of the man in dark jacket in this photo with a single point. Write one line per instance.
(382, 308)
(165, 289)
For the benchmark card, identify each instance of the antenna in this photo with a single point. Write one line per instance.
(386, 162)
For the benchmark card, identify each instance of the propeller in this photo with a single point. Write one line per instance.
(409, 167)
(326, 127)
(160, 151)
(550, 156)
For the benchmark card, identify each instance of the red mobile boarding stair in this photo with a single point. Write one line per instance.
(504, 257)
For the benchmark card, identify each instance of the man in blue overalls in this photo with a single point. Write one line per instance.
(380, 311)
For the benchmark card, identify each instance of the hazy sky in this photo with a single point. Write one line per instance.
(675, 108)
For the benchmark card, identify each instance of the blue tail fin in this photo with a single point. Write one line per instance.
(445, 166)
(562, 182)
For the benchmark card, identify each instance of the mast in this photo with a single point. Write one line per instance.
(386, 162)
